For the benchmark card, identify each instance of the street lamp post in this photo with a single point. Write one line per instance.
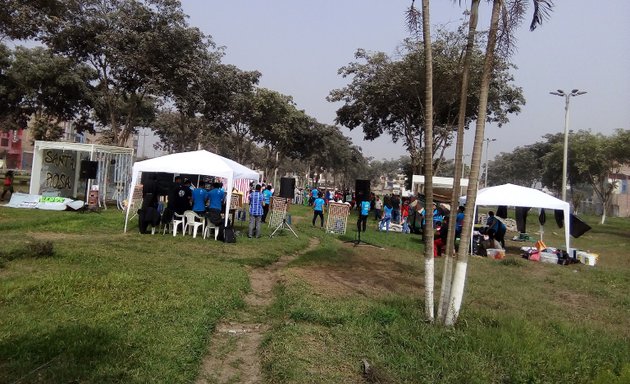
(567, 97)
(485, 181)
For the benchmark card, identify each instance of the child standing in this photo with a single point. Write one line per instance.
(8, 184)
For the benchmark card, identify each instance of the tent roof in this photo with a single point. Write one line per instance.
(80, 147)
(198, 163)
(517, 196)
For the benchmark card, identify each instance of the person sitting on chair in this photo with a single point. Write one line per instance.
(215, 203)
(199, 199)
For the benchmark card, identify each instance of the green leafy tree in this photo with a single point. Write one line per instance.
(384, 95)
(138, 48)
(523, 166)
(24, 19)
(47, 89)
(596, 158)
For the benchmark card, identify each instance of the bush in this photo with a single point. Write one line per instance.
(39, 249)
(35, 249)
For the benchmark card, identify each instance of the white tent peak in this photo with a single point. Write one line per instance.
(201, 162)
(518, 196)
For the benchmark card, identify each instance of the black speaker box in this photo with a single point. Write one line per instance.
(287, 187)
(89, 169)
(362, 188)
(164, 181)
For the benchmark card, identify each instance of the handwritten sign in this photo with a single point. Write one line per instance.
(58, 171)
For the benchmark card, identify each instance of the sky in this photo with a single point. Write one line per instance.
(298, 46)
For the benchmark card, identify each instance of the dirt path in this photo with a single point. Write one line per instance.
(233, 355)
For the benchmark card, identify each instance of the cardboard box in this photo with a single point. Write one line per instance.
(547, 257)
(587, 258)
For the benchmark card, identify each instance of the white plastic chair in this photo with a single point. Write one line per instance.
(193, 222)
(211, 227)
(177, 220)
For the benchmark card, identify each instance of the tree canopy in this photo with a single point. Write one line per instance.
(50, 88)
(385, 95)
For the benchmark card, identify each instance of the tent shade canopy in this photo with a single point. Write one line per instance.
(200, 162)
(517, 196)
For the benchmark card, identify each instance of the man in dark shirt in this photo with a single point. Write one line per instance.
(150, 192)
(182, 198)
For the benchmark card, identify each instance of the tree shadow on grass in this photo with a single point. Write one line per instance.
(609, 230)
(68, 354)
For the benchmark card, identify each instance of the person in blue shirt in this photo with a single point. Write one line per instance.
(199, 199)
(266, 202)
(363, 215)
(314, 195)
(215, 203)
(255, 212)
(498, 227)
(387, 217)
(318, 210)
(459, 221)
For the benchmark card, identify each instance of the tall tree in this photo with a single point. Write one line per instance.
(596, 158)
(46, 89)
(385, 96)
(513, 14)
(24, 19)
(429, 274)
(447, 276)
(423, 18)
(229, 96)
(137, 47)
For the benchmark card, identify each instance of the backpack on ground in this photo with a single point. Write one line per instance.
(226, 233)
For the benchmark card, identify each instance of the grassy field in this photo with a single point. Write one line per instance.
(104, 306)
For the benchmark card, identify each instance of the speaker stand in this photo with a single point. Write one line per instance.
(283, 225)
(357, 241)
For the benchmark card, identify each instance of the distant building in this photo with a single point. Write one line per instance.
(11, 148)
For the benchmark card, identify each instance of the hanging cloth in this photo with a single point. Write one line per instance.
(521, 218)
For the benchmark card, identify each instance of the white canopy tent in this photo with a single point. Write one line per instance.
(200, 162)
(517, 196)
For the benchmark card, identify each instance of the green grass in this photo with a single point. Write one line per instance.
(105, 306)
(114, 307)
(522, 322)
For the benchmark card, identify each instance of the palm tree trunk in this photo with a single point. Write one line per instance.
(459, 278)
(447, 277)
(428, 165)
